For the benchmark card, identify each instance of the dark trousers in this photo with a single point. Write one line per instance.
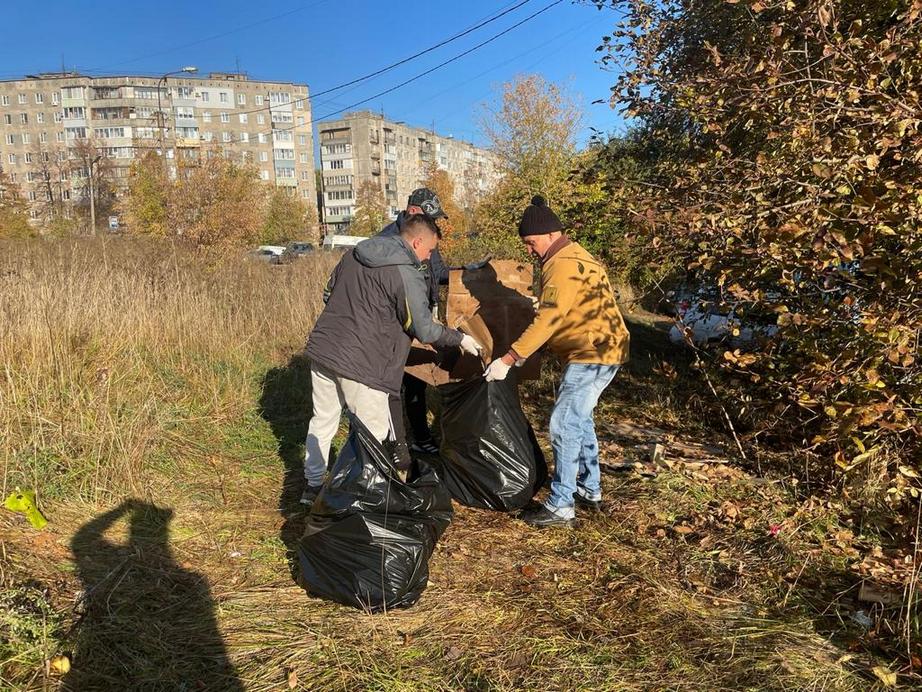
(414, 398)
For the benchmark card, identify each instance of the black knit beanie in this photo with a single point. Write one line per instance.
(538, 219)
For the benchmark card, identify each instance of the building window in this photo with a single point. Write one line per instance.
(241, 99)
(58, 116)
(185, 112)
(8, 119)
(206, 117)
(223, 97)
(66, 194)
(264, 175)
(54, 98)
(300, 120)
(26, 138)
(284, 154)
(225, 117)
(302, 140)
(281, 117)
(106, 132)
(245, 137)
(33, 214)
(43, 137)
(72, 92)
(75, 113)
(28, 159)
(282, 135)
(260, 119)
(22, 99)
(205, 96)
(305, 175)
(306, 194)
(24, 118)
(263, 156)
(208, 136)
(303, 157)
(259, 99)
(6, 100)
(185, 92)
(244, 118)
(59, 136)
(279, 97)
(225, 136)
(284, 172)
(11, 158)
(75, 132)
(261, 137)
(334, 165)
(11, 139)
(299, 103)
(40, 118)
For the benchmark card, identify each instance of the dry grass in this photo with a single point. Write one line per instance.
(202, 411)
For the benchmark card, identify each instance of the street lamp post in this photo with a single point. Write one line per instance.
(190, 69)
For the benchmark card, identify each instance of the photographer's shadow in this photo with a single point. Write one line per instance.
(145, 622)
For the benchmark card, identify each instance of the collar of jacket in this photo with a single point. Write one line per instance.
(555, 247)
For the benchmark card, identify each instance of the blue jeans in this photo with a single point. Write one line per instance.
(576, 449)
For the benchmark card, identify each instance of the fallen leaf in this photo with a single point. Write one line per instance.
(454, 653)
(528, 571)
(407, 637)
(885, 675)
(661, 533)
(292, 679)
(683, 529)
(60, 664)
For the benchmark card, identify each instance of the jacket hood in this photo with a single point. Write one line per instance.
(385, 251)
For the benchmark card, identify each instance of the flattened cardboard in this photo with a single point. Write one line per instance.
(497, 299)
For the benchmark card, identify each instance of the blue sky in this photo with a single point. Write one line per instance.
(324, 43)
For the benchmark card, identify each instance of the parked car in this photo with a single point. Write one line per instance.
(334, 241)
(297, 249)
(266, 254)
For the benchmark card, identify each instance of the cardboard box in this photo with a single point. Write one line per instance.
(492, 304)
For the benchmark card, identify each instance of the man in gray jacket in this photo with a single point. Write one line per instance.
(377, 300)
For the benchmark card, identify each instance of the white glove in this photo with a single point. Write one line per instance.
(535, 303)
(470, 345)
(497, 370)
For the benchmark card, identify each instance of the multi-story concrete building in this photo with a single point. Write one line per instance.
(395, 157)
(45, 118)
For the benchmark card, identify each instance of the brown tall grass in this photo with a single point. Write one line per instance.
(108, 346)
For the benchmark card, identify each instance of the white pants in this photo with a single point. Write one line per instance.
(329, 394)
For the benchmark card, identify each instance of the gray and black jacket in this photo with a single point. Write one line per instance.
(436, 271)
(377, 300)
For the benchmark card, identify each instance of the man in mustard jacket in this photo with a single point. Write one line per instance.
(579, 321)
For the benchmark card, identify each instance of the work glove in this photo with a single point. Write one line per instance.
(497, 370)
(470, 345)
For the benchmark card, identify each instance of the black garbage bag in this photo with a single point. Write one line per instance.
(490, 457)
(370, 535)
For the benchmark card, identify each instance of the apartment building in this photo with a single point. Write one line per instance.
(45, 117)
(364, 146)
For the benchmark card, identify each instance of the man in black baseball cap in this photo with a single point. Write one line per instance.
(426, 202)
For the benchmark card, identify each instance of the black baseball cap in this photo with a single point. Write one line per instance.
(429, 202)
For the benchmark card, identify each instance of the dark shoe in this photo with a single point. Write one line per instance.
(586, 503)
(310, 494)
(542, 517)
(425, 446)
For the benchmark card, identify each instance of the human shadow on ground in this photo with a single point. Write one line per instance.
(285, 403)
(145, 622)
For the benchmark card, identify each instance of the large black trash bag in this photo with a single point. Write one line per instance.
(370, 535)
(490, 457)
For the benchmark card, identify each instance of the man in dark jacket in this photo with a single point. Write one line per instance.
(376, 302)
(426, 202)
